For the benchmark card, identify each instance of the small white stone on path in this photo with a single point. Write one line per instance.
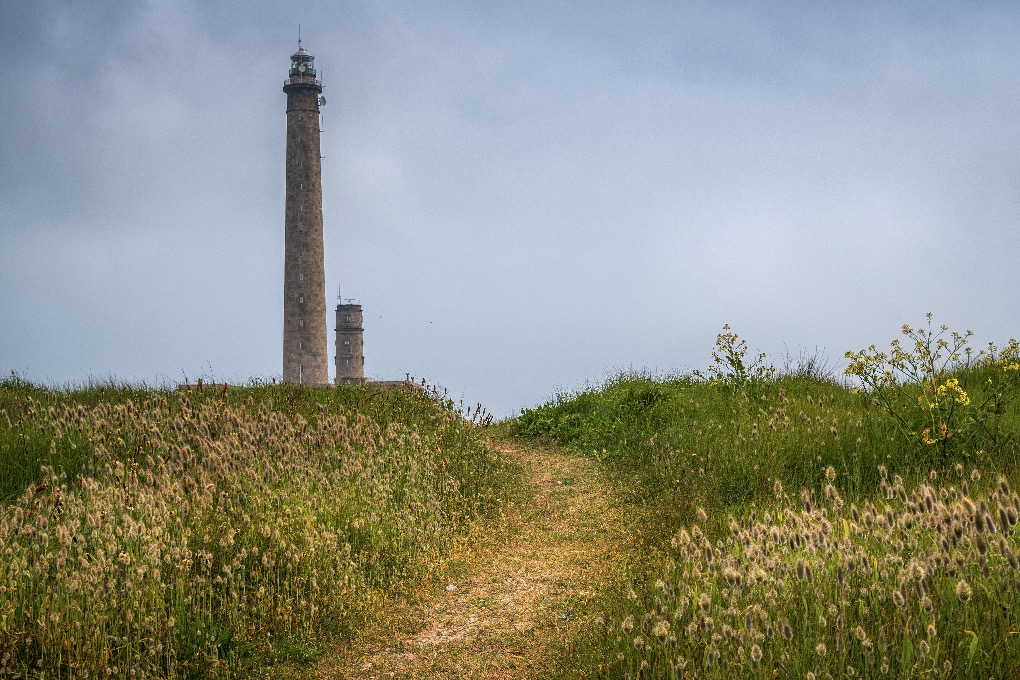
(450, 588)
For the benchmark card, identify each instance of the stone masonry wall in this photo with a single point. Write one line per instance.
(305, 332)
(350, 344)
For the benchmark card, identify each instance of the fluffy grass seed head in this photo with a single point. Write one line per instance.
(963, 591)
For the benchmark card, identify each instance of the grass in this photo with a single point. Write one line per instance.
(737, 524)
(743, 486)
(156, 533)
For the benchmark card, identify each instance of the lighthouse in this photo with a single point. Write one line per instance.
(305, 353)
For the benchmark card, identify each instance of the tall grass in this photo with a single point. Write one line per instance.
(152, 533)
(925, 583)
(747, 482)
(692, 443)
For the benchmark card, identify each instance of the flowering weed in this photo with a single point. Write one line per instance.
(921, 383)
(730, 364)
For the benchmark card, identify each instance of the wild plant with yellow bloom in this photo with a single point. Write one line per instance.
(731, 365)
(918, 382)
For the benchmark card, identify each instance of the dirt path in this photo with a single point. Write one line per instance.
(525, 586)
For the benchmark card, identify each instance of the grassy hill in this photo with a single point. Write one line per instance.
(154, 533)
(742, 522)
(803, 526)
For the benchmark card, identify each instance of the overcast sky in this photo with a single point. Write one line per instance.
(525, 196)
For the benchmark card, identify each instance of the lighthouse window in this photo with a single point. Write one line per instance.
(301, 323)
(347, 342)
(301, 299)
(347, 360)
(347, 317)
(301, 345)
(300, 277)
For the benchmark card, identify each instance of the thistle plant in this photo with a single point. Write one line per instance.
(918, 383)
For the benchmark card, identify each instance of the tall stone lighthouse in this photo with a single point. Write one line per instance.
(305, 356)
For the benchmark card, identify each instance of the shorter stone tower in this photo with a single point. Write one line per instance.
(350, 345)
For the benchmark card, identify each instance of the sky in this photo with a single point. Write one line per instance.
(526, 197)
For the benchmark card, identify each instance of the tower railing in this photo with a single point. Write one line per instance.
(302, 81)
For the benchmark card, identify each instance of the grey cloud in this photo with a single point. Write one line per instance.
(523, 195)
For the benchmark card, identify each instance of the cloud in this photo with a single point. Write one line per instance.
(523, 195)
